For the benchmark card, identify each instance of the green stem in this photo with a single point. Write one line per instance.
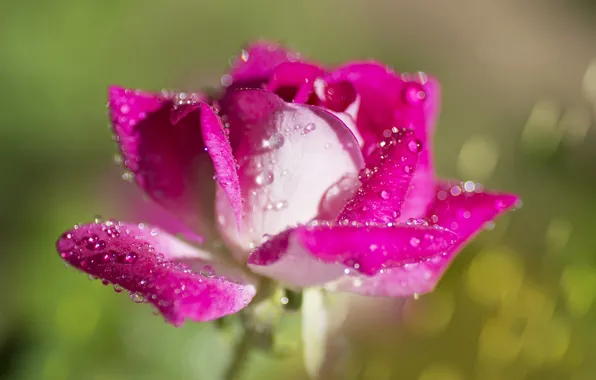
(241, 351)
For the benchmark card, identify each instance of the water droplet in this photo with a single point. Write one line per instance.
(416, 222)
(384, 194)
(109, 256)
(284, 300)
(264, 178)
(414, 242)
(99, 245)
(137, 298)
(414, 94)
(226, 80)
(469, 186)
(415, 146)
(275, 141)
(124, 109)
(244, 55)
(407, 168)
(309, 128)
(112, 232)
(208, 271)
(118, 288)
(128, 258)
(365, 174)
(280, 205)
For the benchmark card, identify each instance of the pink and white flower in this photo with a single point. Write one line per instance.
(306, 175)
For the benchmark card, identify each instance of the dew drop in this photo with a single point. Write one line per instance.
(208, 271)
(309, 128)
(244, 55)
(276, 141)
(384, 194)
(264, 178)
(415, 242)
(137, 298)
(280, 205)
(414, 94)
(416, 222)
(415, 146)
(118, 288)
(129, 258)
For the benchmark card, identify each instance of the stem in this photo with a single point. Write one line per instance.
(241, 351)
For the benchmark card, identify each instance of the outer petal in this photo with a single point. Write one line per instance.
(149, 264)
(294, 81)
(388, 100)
(310, 255)
(386, 182)
(255, 64)
(465, 212)
(174, 150)
(289, 156)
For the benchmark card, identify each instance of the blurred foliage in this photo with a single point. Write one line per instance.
(517, 304)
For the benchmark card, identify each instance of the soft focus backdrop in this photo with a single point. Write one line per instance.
(519, 111)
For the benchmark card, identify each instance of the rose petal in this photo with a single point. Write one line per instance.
(294, 81)
(148, 263)
(289, 156)
(388, 100)
(254, 65)
(386, 181)
(299, 255)
(465, 212)
(165, 148)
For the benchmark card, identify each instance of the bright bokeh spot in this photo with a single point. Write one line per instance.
(541, 134)
(498, 344)
(478, 158)
(494, 276)
(578, 283)
(440, 372)
(546, 342)
(558, 233)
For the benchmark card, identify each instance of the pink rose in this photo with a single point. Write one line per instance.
(298, 173)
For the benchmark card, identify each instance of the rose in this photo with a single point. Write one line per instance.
(294, 173)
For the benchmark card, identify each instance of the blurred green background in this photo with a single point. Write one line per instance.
(519, 91)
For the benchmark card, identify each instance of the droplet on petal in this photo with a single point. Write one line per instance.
(415, 146)
(208, 271)
(264, 178)
(414, 94)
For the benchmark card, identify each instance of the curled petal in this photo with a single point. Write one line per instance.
(293, 255)
(255, 63)
(388, 100)
(151, 265)
(386, 182)
(466, 212)
(174, 149)
(289, 156)
(294, 81)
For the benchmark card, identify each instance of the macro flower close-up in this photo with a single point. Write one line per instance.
(292, 175)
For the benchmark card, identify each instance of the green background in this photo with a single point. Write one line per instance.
(519, 104)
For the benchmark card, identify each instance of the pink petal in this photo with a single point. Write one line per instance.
(386, 181)
(148, 263)
(255, 64)
(464, 212)
(174, 150)
(289, 156)
(388, 100)
(294, 81)
(299, 255)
